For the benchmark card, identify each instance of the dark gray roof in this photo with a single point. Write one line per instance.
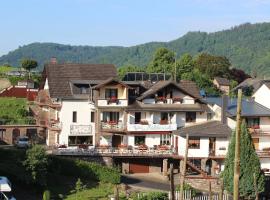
(197, 107)
(206, 129)
(256, 83)
(222, 81)
(250, 108)
(61, 75)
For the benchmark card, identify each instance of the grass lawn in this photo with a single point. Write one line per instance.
(100, 192)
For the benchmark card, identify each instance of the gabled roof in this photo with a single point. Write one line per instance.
(256, 83)
(187, 88)
(60, 75)
(206, 129)
(222, 81)
(197, 107)
(250, 108)
(109, 81)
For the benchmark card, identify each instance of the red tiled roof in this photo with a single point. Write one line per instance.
(19, 92)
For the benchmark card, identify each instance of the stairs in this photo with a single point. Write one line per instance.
(197, 169)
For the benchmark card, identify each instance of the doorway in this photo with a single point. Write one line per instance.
(116, 140)
(15, 135)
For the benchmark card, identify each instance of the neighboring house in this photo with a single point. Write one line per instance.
(252, 84)
(257, 118)
(64, 106)
(262, 95)
(222, 84)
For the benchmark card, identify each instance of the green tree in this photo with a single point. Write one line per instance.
(203, 81)
(28, 65)
(129, 68)
(37, 164)
(184, 65)
(213, 65)
(249, 165)
(163, 61)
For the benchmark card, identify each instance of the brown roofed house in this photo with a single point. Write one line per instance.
(222, 84)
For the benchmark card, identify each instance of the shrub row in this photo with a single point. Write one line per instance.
(84, 169)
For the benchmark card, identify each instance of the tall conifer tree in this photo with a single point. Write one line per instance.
(249, 165)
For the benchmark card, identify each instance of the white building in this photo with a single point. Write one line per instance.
(66, 108)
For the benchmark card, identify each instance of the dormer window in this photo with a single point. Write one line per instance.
(111, 93)
(83, 90)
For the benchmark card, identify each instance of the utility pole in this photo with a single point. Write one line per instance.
(237, 148)
(172, 182)
(183, 171)
(256, 187)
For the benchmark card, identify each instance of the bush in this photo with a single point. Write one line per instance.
(188, 187)
(37, 164)
(46, 195)
(80, 168)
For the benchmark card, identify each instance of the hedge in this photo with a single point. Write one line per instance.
(84, 169)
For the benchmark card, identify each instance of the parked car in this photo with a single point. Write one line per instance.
(22, 142)
(5, 189)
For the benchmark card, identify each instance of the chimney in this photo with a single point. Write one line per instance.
(53, 61)
(224, 105)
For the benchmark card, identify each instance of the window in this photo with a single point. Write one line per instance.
(253, 122)
(111, 93)
(139, 140)
(165, 139)
(74, 116)
(83, 90)
(194, 143)
(78, 140)
(137, 117)
(209, 116)
(2, 133)
(190, 116)
(164, 116)
(110, 116)
(92, 116)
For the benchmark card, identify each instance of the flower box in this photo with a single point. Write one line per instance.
(163, 122)
(144, 122)
(161, 99)
(177, 99)
(112, 100)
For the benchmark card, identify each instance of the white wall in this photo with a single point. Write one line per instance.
(220, 143)
(150, 139)
(203, 151)
(83, 109)
(264, 142)
(265, 124)
(262, 96)
(265, 163)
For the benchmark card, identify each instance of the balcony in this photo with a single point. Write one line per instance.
(113, 102)
(151, 127)
(112, 126)
(51, 124)
(81, 130)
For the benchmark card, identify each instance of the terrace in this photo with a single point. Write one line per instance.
(123, 150)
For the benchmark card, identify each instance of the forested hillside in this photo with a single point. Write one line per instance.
(247, 46)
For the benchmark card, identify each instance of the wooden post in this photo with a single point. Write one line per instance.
(221, 190)
(237, 148)
(183, 171)
(116, 193)
(172, 182)
(210, 190)
(255, 187)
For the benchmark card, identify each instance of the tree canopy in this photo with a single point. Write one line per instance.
(29, 64)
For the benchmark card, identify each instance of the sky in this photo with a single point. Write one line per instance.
(119, 22)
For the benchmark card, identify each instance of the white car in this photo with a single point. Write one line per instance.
(23, 142)
(5, 189)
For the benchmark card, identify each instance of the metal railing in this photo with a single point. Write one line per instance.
(81, 130)
(112, 126)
